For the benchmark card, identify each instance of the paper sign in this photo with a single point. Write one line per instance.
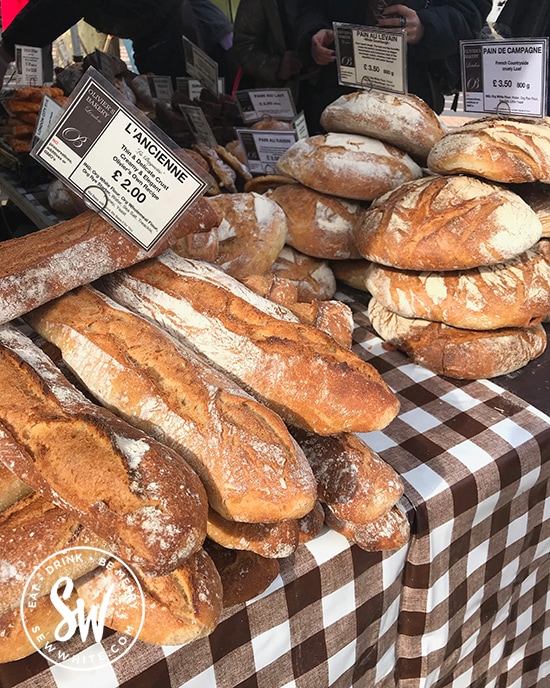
(258, 104)
(200, 66)
(367, 57)
(33, 67)
(263, 148)
(49, 112)
(160, 87)
(118, 163)
(193, 87)
(199, 125)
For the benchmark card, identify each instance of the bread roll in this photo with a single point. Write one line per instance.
(459, 353)
(511, 150)
(296, 369)
(313, 277)
(511, 294)
(403, 120)
(250, 466)
(348, 165)
(129, 489)
(447, 223)
(319, 225)
(388, 532)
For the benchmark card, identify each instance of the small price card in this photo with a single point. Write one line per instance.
(505, 77)
(257, 104)
(263, 148)
(193, 87)
(119, 162)
(33, 66)
(367, 57)
(199, 125)
(160, 87)
(200, 66)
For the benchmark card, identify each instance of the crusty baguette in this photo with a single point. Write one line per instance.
(129, 489)
(456, 352)
(447, 223)
(39, 266)
(352, 480)
(298, 371)
(387, 532)
(12, 488)
(251, 467)
(335, 318)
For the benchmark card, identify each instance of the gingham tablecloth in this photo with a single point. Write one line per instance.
(464, 605)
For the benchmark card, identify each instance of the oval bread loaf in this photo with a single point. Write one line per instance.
(313, 277)
(447, 223)
(348, 165)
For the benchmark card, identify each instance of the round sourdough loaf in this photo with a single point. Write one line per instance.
(537, 196)
(404, 121)
(348, 165)
(319, 225)
(351, 272)
(514, 150)
(447, 223)
(511, 294)
(455, 352)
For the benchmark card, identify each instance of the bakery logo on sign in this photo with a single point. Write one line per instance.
(72, 598)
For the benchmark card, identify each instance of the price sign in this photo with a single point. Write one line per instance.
(119, 162)
(257, 104)
(49, 112)
(200, 66)
(160, 87)
(33, 66)
(199, 125)
(367, 57)
(193, 87)
(263, 148)
(505, 77)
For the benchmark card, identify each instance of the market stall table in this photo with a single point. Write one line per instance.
(465, 604)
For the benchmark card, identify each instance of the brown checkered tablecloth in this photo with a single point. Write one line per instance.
(464, 605)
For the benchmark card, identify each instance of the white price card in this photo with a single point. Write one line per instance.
(201, 66)
(264, 147)
(31, 68)
(49, 112)
(119, 162)
(198, 124)
(160, 87)
(505, 77)
(265, 103)
(367, 57)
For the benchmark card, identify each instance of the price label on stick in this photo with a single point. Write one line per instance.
(263, 148)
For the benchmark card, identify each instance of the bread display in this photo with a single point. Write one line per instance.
(348, 165)
(319, 225)
(455, 352)
(259, 344)
(447, 223)
(509, 150)
(402, 120)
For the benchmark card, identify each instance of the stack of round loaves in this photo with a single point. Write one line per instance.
(455, 262)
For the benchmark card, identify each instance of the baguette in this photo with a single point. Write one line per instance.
(135, 493)
(250, 466)
(12, 489)
(298, 371)
(40, 266)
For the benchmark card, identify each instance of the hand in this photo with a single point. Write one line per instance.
(290, 65)
(320, 52)
(406, 19)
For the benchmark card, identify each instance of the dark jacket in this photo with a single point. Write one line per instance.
(446, 22)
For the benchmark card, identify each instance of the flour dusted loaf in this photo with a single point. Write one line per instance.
(388, 532)
(295, 369)
(313, 277)
(511, 294)
(132, 491)
(537, 196)
(455, 352)
(447, 223)
(348, 165)
(510, 150)
(319, 225)
(403, 120)
(249, 464)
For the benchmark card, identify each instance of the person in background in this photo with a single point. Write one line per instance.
(433, 28)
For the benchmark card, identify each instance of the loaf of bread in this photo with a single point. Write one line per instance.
(251, 234)
(509, 150)
(295, 369)
(335, 318)
(127, 488)
(265, 182)
(388, 532)
(319, 225)
(249, 464)
(447, 223)
(352, 480)
(351, 272)
(456, 352)
(511, 294)
(274, 288)
(313, 277)
(63, 200)
(348, 165)
(537, 196)
(402, 120)
(12, 489)
(311, 524)
(42, 265)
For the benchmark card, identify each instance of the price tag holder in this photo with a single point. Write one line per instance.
(264, 147)
(199, 125)
(120, 162)
(257, 104)
(201, 66)
(367, 57)
(505, 77)
(33, 66)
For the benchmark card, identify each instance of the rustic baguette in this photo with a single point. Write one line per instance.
(249, 464)
(456, 352)
(447, 223)
(42, 265)
(295, 369)
(137, 494)
(12, 488)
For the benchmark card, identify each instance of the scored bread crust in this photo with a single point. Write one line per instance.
(455, 352)
(447, 223)
(389, 531)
